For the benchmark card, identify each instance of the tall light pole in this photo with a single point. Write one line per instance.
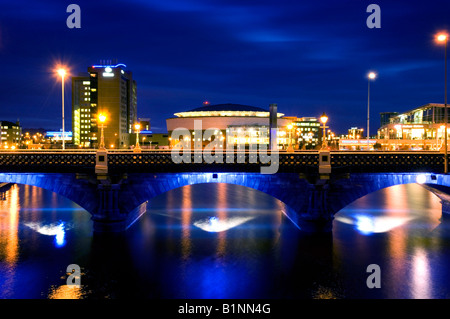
(370, 76)
(443, 38)
(62, 73)
(137, 127)
(324, 120)
(102, 119)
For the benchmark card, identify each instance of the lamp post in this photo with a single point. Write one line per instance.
(370, 76)
(443, 38)
(62, 73)
(324, 120)
(137, 127)
(102, 119)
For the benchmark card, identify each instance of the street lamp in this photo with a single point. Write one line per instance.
(370, 76)
(62, 73)
(443, 38)
(102, 119)
(324, 120)
(137, 127)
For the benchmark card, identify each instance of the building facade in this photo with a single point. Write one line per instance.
(307, 132)
(421, 128)
(107, 89)
(11, 134)
(241, 123)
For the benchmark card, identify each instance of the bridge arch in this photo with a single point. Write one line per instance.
(309, 202)
(344, 192)
(66, 185)
(141, 188)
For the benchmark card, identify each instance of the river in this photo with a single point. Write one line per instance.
(224, 241)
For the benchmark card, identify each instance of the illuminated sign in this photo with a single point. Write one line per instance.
(357, 142)
(109, 66)
(412, 126)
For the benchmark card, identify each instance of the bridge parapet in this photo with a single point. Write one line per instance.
(161, 161)
(305, 162)
(383, 162)
(55, 162)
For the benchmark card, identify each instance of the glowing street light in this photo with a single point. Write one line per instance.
(102, 119)
(370, 76)
(324, 120)
(62, 72)
(137, 127)
(443, 38)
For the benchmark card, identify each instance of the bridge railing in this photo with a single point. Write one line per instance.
(161, 161)
(52, 162)
(399, 161)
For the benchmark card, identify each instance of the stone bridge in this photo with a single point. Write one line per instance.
(113, 186)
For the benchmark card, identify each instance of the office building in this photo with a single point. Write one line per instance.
(11, 134)
(107, 89)
(307, 132)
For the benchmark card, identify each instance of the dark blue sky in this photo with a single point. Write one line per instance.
(309, 56)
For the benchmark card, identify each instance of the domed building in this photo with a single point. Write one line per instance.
(226, 118)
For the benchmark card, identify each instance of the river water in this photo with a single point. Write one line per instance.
(225, 241)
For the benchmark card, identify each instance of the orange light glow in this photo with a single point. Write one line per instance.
(441, 37)
(62, 72)
(102, 118)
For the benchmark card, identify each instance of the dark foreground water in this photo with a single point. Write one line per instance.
(225, 241)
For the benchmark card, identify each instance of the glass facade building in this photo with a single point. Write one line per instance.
(420, 128)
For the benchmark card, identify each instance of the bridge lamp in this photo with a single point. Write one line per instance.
(137, 127)
(443, 38)
(370, 76)
(102, 120)
(421, 179)
(324, 120)
(62, 73)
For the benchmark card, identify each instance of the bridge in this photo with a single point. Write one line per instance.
(115, 186)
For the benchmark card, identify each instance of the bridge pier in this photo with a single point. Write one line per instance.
(108, 216)
(316, 217)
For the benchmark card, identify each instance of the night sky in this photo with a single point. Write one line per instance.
(307, 56)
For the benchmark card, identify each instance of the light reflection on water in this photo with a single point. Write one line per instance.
(224, 241)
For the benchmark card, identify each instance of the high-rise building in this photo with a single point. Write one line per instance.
(107, 89)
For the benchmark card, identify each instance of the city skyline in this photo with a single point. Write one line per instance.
(308, 58)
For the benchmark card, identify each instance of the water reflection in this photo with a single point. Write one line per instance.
(224, 241)
(400, 235)
(9, 239)
(55, 229)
